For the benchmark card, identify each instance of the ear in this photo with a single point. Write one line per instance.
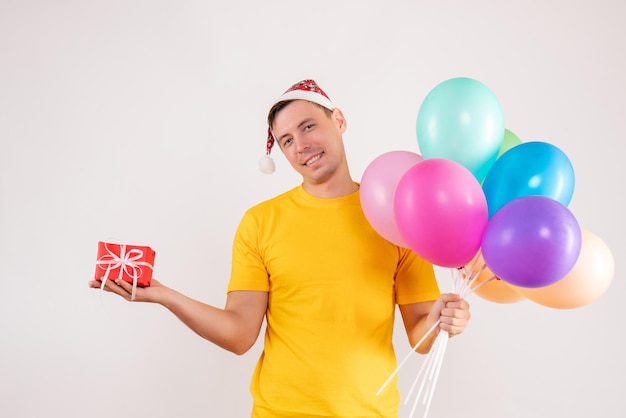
(339, 120)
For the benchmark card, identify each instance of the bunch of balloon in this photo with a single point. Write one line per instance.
(492, 208)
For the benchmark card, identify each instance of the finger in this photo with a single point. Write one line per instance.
(113, 286)
(448, 315)
(449, 297)
(94, 284)
(97, 284)
(452, 329)
(459, 304)
(453, 325)
(441, 302)
(455, 321)
(125, 288)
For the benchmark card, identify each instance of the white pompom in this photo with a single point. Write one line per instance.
(266, 164)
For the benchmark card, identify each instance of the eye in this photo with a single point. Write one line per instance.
(287, 141)
(308, 127)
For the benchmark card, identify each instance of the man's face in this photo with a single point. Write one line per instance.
(310, 139)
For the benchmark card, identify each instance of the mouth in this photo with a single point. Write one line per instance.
(313, 160)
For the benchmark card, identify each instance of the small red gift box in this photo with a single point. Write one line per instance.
(131, 263)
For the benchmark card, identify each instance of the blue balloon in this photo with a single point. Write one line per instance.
(461, 120)
(529, 169)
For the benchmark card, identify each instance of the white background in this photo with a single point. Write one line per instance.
(143, 121)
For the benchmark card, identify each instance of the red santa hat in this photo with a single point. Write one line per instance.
(302, 90)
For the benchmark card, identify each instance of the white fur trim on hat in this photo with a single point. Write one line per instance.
(310, 96)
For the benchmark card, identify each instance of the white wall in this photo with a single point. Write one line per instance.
(143, 121)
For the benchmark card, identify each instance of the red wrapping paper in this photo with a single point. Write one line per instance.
(127, 262)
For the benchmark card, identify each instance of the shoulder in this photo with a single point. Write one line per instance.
(273, 202)
(271, 208)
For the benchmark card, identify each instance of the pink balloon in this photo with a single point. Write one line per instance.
(441, 212)
(378, 187)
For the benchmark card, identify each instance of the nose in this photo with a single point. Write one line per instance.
(302, 144)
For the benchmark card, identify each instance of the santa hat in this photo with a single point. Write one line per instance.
(302, 90)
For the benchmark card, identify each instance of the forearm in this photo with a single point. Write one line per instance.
(418, 324)
(209, 322)
(232, 329)
(419, 332)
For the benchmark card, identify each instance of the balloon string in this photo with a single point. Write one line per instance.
(465, 287)
(425, 366)
(483, 283)
(477, 274)
(472, 268)
(441, 353)
(430, 362)
(432, 328)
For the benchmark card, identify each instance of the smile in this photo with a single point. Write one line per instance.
(313, 159)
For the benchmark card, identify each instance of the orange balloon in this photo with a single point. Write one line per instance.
(494, 291)
(589, 279)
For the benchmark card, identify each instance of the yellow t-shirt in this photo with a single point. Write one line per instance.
(333, 283)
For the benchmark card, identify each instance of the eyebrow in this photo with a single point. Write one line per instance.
(304, 122)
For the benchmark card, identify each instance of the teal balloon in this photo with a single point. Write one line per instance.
(529, 169)
(461, 120)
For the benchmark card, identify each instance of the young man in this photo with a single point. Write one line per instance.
(308, 262)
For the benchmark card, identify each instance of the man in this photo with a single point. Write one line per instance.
(327, 284)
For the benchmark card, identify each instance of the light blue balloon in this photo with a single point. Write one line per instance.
(529, 169)
(461, 120)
